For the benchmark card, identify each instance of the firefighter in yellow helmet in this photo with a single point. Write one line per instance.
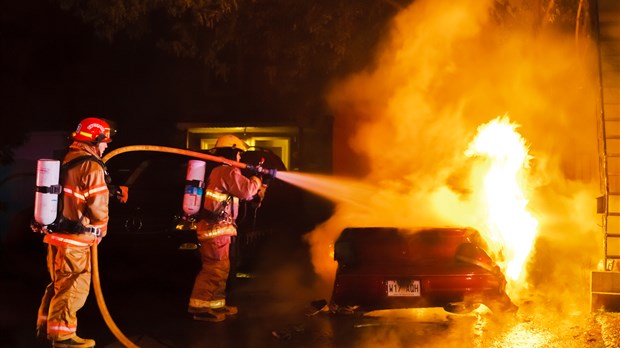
(226, 185)
(83, 222)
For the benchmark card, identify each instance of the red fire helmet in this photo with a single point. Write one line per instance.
(94, 130)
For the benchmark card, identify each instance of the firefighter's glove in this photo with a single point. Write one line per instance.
(121, 193)
(265, 174)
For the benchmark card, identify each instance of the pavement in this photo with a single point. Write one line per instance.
(146, 292)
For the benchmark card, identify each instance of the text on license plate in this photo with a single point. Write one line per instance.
(395, 288)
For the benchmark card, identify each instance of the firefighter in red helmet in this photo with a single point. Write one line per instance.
(94, 131)
(83, 222)
(226, 185)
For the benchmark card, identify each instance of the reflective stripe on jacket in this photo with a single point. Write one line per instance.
(228, 180)
(70, 240)
(224, 181)
(85, 198)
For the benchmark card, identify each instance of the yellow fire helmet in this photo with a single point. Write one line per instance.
(230, 140)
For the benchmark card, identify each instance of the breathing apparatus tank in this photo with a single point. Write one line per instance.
(194, 187)
(47, 191)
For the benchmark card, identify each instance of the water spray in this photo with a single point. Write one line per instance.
(258, 169)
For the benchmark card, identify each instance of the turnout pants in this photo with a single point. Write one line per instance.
(70, 271)
(209, 289)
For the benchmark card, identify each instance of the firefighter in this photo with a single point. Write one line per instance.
(84, 221)
(226, 186)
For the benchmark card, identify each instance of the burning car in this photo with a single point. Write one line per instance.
(392, 268)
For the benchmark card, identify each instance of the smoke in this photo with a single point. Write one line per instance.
(447, 67)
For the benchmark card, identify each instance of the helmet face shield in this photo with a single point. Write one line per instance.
(108, 134)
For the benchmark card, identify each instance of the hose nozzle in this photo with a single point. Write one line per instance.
(270, 172)
(264, 171)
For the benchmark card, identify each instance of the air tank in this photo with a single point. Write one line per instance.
(47, 191)
(194, 186)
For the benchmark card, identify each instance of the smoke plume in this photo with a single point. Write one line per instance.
(447, 67)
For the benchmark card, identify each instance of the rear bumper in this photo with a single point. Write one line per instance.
(370, 290)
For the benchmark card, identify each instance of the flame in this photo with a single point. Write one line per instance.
(511, 228)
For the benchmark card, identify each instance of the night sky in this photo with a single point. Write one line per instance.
(56, 71)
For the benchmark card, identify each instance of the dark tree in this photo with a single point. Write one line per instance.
(191, 58)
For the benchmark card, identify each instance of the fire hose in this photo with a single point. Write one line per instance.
(94, 257)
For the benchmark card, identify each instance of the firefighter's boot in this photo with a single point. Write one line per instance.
(228, 310)
(74, 342)
(211, 315)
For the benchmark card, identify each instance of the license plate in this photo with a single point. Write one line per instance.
(411, 288)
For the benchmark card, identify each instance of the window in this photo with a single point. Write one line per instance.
(278, 140)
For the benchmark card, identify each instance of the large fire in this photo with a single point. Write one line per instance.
(511, 228)
(404, 126)
(497, 204)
